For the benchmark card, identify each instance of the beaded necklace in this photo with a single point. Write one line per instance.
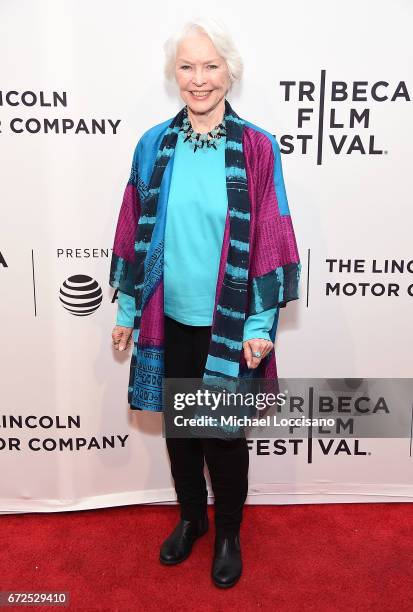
(197, 140)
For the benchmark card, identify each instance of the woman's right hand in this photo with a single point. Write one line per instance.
(121, 337)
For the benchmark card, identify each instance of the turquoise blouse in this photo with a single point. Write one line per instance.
(195, 224)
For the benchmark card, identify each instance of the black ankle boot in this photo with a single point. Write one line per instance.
(178, 545)
(227, 563)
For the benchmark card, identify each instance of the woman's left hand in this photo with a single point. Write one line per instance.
(254, 345)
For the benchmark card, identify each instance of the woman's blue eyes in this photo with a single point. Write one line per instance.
(209, 66)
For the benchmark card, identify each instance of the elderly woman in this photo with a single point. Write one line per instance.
(203, 258)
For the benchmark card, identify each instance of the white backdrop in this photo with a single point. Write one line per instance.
(60, 196)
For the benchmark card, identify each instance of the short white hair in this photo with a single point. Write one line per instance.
(220, 38)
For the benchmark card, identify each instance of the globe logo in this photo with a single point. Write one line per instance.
(80, 295)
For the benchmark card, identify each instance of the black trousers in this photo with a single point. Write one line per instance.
(186, 350)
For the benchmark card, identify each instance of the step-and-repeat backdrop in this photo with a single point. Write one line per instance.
(80, 82)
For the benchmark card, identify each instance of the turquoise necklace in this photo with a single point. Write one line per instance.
(196, 140)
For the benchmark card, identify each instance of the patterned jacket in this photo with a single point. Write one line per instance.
(259, 265)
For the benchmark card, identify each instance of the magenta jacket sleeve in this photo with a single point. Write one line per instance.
(123, 252)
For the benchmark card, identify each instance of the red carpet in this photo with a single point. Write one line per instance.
(355, 557)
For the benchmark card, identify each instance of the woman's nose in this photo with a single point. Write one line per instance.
(199, 78)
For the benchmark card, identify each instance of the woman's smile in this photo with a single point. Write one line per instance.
(200, 94)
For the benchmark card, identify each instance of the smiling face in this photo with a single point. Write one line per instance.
(202, 75)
